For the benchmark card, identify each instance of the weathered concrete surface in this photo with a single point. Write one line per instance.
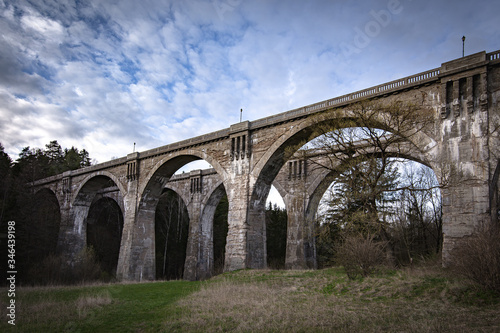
(462, 146)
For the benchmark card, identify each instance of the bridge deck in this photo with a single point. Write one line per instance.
(402, 84)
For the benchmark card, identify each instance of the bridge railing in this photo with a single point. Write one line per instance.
(494, 55)
(181, 144)
(382, 89)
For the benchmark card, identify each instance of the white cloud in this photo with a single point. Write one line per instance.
(46, 28)
(102, 75)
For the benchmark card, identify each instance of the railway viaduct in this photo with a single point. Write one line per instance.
(463, 96)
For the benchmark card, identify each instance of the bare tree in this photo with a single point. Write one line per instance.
(417, 228)
(363, 147)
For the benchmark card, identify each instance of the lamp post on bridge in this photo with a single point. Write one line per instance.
(463, 45)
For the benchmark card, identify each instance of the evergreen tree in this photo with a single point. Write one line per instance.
(74, 159)
(37, 215)
(363, 197)
(6, 200)
(276, 230)
(55, 156)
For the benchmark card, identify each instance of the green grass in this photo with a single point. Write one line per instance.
(418, 300)
(141, 307)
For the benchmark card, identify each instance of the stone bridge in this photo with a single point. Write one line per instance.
(247, 157)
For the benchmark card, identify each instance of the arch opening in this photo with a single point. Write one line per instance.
(409, 213)
(98, 221)
(171, 236)
(211, 235)
(104, 232)
(276, 234)
(397, 130)
(220, 229)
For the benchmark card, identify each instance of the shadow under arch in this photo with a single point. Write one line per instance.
(104, 231)
(171, 235)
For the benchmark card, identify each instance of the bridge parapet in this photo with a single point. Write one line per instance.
(392, 87)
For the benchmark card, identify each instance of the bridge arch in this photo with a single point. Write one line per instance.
(97, 181)
(267, 168)
(182, 195)
(297, 134)
(167, 166)
(142, 246)
(200, 263)
(97, 193)
(273, 160)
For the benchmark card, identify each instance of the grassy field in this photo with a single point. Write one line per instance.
(417, 300)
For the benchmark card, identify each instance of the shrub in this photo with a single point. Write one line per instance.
(86, 267)
(55, 270)
(360, 255)
(47, 272)
(477, 258)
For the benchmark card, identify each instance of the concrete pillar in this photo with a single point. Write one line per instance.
(73, 229)
(237, 235)
(466, 197)
(196, 266)
(72, 232)
(295, 256)
(246, 238)
(124, 269)
(300, 246)
(136, 259)
(256, 231)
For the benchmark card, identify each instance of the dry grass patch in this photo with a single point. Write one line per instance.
(46, 308)
(235, 306)
(88, 303)
(324, 301)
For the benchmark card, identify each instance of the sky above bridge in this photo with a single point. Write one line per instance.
(103, 75)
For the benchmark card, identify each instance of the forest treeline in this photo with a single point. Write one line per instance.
(36, 216)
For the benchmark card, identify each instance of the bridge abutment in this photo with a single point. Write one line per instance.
(466, 148)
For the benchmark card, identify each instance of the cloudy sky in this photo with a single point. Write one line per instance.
(103, 74)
